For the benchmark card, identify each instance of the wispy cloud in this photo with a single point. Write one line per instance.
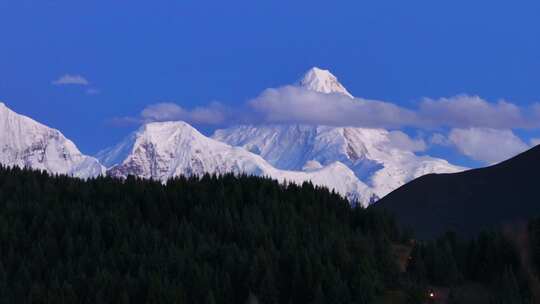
(465, 111)
(479, 129)
(296, 105)
(439, 139)
(213, 114)
(71, 79)
(402, 141)
(487, 145)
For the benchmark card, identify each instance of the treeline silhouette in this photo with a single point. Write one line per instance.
(236, 239)
(226, 239)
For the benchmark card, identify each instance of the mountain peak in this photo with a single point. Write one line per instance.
(28, 143)
(168, 134)
(164, 125)
(168, 128)
(322, 81)
(4, 108)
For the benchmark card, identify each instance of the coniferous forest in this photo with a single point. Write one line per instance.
(234, 239)
(215, 240)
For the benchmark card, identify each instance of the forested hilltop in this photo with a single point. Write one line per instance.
(211, 240)
(235, 239)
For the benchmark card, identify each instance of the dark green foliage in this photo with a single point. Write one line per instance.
(491, 262)
(211, 240)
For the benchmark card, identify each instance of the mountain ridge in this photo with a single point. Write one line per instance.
(163, 150)
(28, 143)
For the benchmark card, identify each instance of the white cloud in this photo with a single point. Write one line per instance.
(402, 141)
(69, 79)
(480, 129)
(487, 145)
(440, 140)
(291, 104)
(163, 112)
(213, 114)
(464, 111)
(297, 105)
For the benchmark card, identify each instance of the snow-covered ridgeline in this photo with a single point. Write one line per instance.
(27, 143)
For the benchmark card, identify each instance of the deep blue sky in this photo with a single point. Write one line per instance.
(138, 53)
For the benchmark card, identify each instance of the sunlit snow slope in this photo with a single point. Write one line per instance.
(27, 143)
(167, 149)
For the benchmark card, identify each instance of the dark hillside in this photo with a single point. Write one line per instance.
(470, 201)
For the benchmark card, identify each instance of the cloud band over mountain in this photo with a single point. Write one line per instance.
(467, 123)
(291, 104)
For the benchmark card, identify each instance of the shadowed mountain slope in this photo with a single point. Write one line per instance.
(469, 201)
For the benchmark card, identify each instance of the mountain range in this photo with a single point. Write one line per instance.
(163, 150)
(362, 164)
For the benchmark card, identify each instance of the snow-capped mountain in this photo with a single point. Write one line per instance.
(322, 81)
(369, 153)
(372, 154)
(359, 163)
(27, 143)
(163, 150)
